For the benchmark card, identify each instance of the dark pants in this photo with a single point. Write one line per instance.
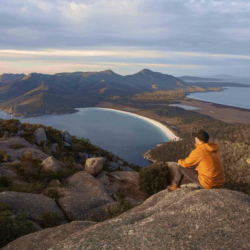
(190, 173)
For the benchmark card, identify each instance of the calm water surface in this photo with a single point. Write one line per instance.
(232, 96)
(122, 134)
(187, 107)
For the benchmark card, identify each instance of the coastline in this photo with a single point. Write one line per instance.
(225, 113)
(168, 133)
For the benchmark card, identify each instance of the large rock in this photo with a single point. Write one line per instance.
(83, 194)
(17, 147)
(67, 137)
(94, 165)
(50, 236)
(33, 205)
(202, 219)
(113, 166)
(5, 170)
(40, 136)
(51, 164)
(83, 157)
(126, 182)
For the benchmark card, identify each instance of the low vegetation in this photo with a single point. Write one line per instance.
(123, 205)
(13, 226)
(49, 219)
(154, 178)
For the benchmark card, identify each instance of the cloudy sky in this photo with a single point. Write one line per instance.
(178, 37)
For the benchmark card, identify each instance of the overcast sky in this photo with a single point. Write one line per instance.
(178, 37)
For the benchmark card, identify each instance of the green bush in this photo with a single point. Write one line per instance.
(33, 187)
(11, 226)
(49, 219)
(5, 181)
(29, 166)
(53, 194)
(154, 178)
(123, 205)
(4, 206)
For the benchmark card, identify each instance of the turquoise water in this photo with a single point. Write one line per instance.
(126, 136)
(187, 107)
(231, 96)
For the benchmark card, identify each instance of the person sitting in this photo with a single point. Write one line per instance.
(209, 172)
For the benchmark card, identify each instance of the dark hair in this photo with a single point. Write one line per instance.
(202, 135)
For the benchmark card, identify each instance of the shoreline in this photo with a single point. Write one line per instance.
(225, 113)
(168, 133)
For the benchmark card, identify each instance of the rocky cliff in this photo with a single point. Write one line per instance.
(64, 193)
(49, 178)
(184, 219)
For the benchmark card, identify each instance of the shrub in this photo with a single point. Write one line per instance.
(29, 167)
(154, 178)
(11, 226)
(122, 206)
(53, 194)
(33, 187)
(49, 219)
(4, 206)
(5, 181)
(29, 136)
(2, 156)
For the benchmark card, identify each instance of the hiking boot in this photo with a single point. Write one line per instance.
(173, 187)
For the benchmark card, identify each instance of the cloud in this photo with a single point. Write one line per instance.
(159, 32)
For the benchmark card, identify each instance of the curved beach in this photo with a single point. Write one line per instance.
(171, 136)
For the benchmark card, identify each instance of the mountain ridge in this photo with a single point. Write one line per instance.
(78, 89)
(63, 92)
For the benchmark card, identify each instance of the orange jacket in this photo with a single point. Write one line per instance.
(207, 158)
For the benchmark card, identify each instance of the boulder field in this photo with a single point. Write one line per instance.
(183, 219)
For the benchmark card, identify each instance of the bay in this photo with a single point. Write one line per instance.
(127, 136)
(232, 96)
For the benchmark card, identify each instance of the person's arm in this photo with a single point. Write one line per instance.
(193, 159)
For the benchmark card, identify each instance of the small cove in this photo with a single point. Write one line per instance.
(123, 134)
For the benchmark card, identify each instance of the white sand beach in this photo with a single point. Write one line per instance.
(164, 129)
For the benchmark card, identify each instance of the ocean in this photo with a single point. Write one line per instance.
(127, 136)
(231, 96)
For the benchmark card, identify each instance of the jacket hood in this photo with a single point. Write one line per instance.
(211, 147)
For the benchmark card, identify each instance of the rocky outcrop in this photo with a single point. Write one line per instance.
(94, 165)
(127, 183)
(127, 168)
(50, 236)
(83, 156)
(33, 205)
(5, 170)
(183, 219)
(67, 137)
(51, 164)
(17, 147)
(40, 136)
(82, 197)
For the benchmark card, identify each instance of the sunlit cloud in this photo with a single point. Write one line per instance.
(122, 53)
(209, 34)
(83, 53)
